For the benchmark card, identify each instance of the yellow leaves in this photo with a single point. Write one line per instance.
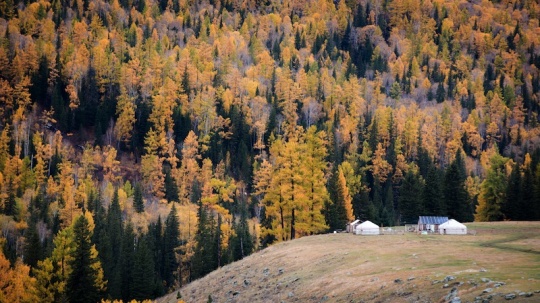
(216, 189)
(262, 178)
(122, 198)
(452, 146)
(6, 96)
(71, 90)
(111, 166)
(250, 86)
(45, 284)
(125, 109)
(344, 196)
(43, 153)
(473, 137)
(227, 99)
(70, 210)
(291, 185)
(4, 147)
(492, 134)
(447, 25)
(204, 111)
(152, 142)
(100, 281)
(16, 285)
(154, 179)
(380, 167)
(80, 33)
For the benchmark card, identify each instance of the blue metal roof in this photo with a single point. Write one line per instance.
(432, 220)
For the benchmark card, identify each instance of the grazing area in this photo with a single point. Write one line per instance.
(502, 259)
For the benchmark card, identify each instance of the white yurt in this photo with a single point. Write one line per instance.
(367, 228)
(452, 227)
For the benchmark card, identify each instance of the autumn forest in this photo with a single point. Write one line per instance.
(145, 143)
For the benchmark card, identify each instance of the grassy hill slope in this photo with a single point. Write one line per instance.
(389, 268)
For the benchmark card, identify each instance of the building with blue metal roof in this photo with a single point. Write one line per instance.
(430, 223)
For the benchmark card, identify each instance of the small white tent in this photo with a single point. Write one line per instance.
(367, 228)
(452, 227)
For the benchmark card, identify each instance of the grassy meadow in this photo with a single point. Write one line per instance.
(386, 268)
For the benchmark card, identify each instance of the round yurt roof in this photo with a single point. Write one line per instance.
(368, 225)
(452, 224)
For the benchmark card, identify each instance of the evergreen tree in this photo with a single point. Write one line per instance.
(10, 205)
(143, 273)
(205, 255)
(171, 189)
(410, 202)
(266, 222)
(514, 196)
(432, 195)
(155, 243)
(33, 250)
(492, 191)
(340, 211)
(171, 241)
(440, 93)
(138, 202)
(455, 196)
(100, 237)
(111, 263)
(535, 202)
(376, 203)
(527, 209)
(387, 212)
(127, 263)
(241, 244)
(84, 283)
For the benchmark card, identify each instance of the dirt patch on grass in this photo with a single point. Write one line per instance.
(390, 268)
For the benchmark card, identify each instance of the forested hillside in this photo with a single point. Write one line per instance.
(144, 143)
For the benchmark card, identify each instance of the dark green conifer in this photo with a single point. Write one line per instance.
(144, 275)
(171, 241)
(138, 202)
(432, 194)
(127, 265)
(410, 200)
(82, 285)
(455, 196)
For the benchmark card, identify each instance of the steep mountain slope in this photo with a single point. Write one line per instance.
(389, 268)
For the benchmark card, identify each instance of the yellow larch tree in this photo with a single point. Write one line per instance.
(16, 284)
(189, 169)
(380, 167)
(69, 209)
(313, 166)
(125, 109)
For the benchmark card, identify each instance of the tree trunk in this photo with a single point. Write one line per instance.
(282, 223)
(293, 232)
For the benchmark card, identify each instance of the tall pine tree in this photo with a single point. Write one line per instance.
(241, 243)
(410, 202)
(492, 191)
(432, 195)
(127, 264)
(143, 272)
(111, 260)
(455, 196)
(138, 202)
(85, 282)
(171, 241)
